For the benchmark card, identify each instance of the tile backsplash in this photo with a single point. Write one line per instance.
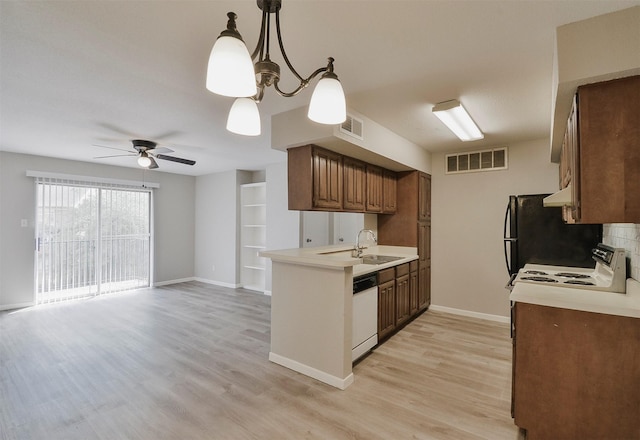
(625, 235)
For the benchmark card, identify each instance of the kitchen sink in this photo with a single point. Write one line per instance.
(379, 259)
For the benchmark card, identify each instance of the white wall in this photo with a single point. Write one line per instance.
(217, 214)
(283, 226)
(173, 212)
(468, 269)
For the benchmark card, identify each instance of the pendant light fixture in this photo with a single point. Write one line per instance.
(232, 72)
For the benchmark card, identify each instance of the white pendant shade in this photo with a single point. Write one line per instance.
(454, 116)
(328, 104)
(244, 117)
(230, 71)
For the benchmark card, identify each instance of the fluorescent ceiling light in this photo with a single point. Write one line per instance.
(454, 116)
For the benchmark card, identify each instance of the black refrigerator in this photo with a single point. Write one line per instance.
(538, 235)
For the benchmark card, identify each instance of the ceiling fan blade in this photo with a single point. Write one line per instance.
(153, 164)
(113, 148)
(115, 155)
(159, 150)
(176, 159)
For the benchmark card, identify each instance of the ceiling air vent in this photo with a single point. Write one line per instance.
(352, 126)
(485, 160)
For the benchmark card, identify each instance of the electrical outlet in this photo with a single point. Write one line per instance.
(213, 268)
(24, 223)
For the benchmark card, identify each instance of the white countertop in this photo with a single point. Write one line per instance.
(339, 256)
(610, 303)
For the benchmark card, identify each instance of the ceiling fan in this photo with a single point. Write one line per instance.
(147, 152)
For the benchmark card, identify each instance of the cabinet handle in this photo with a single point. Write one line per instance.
(308, 240)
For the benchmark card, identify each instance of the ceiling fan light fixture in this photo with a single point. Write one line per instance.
(328, 104)
(456, 118)
(144, 160)
(230, 70)
(244, 117)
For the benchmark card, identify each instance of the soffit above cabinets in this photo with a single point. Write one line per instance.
(586, 52)
(372, 143)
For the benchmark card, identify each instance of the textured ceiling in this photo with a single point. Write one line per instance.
(74, 74)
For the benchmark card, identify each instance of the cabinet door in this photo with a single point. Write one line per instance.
(413, 290)
(327, 179)
(424, 241)
(424, 197)
(355, 181)
(606, 180)
(300, 178)
(403, 299)
(374, 189)
(566, 161)
(569, 167)
(567, 152)
(576, 374)
(389, 197)
(424, 285)
(386, 308)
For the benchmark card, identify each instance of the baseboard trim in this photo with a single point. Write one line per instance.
(166, 283)
(17, 305)
(217, 283)
(469, 313)
(312, 372)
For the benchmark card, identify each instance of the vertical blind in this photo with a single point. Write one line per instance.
(91, 238)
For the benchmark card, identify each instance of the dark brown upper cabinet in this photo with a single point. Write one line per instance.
(315, 179)
(355, 183)
(374, 188)
(322, 180)
(600, 155)
(389, 195)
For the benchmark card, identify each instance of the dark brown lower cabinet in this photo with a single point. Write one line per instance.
(398, 297)
(424, 281)
(403, 294)
(576, 374)
(386, 302)
(413, 288)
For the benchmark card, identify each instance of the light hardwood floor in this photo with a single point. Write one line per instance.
(190, 361)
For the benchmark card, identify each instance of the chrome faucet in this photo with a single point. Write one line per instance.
(357, 251)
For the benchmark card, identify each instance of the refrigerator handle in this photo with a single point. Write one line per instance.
(507, 240)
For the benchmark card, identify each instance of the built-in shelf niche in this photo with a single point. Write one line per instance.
(253, 235)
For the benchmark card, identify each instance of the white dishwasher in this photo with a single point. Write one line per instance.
(365, 315)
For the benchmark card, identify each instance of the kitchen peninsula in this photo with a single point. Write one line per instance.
(312, 307)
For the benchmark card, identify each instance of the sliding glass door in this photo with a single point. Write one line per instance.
(90, 240)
